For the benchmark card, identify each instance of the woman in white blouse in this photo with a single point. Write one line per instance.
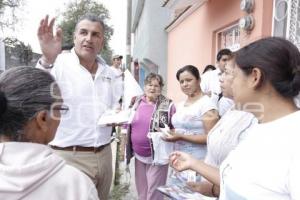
(193, 119)
(266, 165)
(224, 137)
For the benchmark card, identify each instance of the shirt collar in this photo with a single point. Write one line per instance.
(101, 62)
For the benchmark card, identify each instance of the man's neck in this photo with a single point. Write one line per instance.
(117, 67)
(90, 65)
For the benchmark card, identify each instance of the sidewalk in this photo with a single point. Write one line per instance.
(124, 186)
(126, 189)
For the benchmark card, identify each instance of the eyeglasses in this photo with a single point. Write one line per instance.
(62, 108)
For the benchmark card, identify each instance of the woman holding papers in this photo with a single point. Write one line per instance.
(265, 165)
(152, 112)
(193, 119)
(223, 137)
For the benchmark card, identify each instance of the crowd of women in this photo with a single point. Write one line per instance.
(251, 152)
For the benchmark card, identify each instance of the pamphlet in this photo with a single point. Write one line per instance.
(162, 149)
(180, 192)
(114, 117)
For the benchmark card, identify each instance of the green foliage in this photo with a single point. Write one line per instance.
(74, 11)
(19, 49)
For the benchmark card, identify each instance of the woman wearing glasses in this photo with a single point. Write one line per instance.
(152, 112)
(30, 110)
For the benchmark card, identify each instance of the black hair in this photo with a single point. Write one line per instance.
(190, 68)
(279, 62)
(223, 52)
(209, 67)
(3, 103)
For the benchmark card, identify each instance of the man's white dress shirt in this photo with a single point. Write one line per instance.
(87, 99)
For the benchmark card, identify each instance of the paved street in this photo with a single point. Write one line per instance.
(129, 179)
(126, 189)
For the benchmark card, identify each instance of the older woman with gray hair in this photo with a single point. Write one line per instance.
(30, 111)
(152, 111)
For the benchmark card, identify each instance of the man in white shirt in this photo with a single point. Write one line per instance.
(119, 76)
(87, 87)
(210, 83)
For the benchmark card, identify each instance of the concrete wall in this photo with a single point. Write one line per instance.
(193, 40)
(150, 38)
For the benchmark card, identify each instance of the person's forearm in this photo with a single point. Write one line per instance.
(205, 188)
(197, 139)
(48, 59)
(208, 172)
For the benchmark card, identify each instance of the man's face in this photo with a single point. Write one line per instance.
(222, 62)
(117, 62)
(88, 39)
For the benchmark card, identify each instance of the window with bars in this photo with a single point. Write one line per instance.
(286, 20)
(229, 38)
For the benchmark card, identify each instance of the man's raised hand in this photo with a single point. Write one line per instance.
(50, 44)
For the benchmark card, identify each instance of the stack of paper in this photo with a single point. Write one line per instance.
(180, 192)
(113, 117)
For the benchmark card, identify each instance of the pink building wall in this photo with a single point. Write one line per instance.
(193, 41)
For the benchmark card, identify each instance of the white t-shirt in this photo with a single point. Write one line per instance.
(230, 130)
(266, 165)
(188, 120)
(119, 83)
(210, 84)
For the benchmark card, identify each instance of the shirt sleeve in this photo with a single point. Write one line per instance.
(204, 83)
(207, 105)
(53, 71)
(116, 90)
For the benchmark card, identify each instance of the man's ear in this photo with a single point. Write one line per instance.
(74, 36)
(257, 78)
(42, 120)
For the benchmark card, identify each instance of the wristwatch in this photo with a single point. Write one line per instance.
(46, 66)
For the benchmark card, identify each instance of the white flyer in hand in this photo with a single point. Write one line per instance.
(113, 117)
(162, 149)
(166, 131)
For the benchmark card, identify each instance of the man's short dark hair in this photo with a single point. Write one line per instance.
(93, 18)
(223, 52)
